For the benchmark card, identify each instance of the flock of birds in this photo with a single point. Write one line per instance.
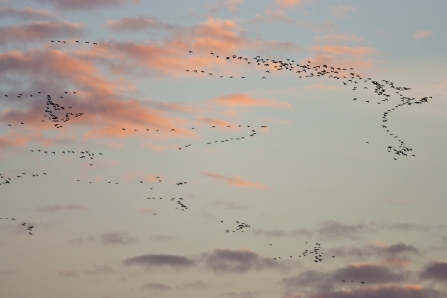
(384, 88)
(58, 114)
(29, 228)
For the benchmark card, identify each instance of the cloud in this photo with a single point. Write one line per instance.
(151, 261)
(421, 34)
(99, 270)
(384, 291)
(328, 229)
(217, 5)
(396, 253)
(248, 294)
(155, 287)
(436, 271)
(198, 284)
(68, 273)
(316, 280)
(26, 13)
(322, 87)
(54, 208)
(369, 273)
(121, 238)
(335, 37)
(239, 99)
(237, 261)
(109, 238)
(161, 238)
(229, 205)
(341, 11)
(286, 4)
(39, 30)
(7, 272)
(333, 229)
(138, 23)
(271, 16)
(219, 261)
(234, 181)
(87, 4)
(355, 57)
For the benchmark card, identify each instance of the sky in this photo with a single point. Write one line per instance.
(223, 148)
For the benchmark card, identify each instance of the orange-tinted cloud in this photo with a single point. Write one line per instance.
(235, 181)
(40, 30)
(421, 34)
(244, 100)
(342, 56)
(397, 262)
(287, 3)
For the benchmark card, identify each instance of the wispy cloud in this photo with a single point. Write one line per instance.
(156, 261)
(341, 11)
(27, 13)
(86, 4)
(138, 23)
(40, 30)
(287, 4)
(54, 208)
(218, 5)
(234, 181)
(421, 34)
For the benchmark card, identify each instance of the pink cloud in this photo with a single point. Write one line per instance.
(137, 23)
(286, 4)
(40, 30)
(342, 56)
(87, 4)
(235, 181)
(26, 13)
(421, 34)
(239, 99)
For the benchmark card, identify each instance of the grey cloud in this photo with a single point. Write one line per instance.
(436, 271)
(53, 208)
(333, 229)
(198, 284)
(386, 291)
(151, 260)
(237, 261)
(368, 273)
(369, 250)
(155, 287)
(229, 204)
(117, 238)
(239, 294)
(109, 238)
(99, 270)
